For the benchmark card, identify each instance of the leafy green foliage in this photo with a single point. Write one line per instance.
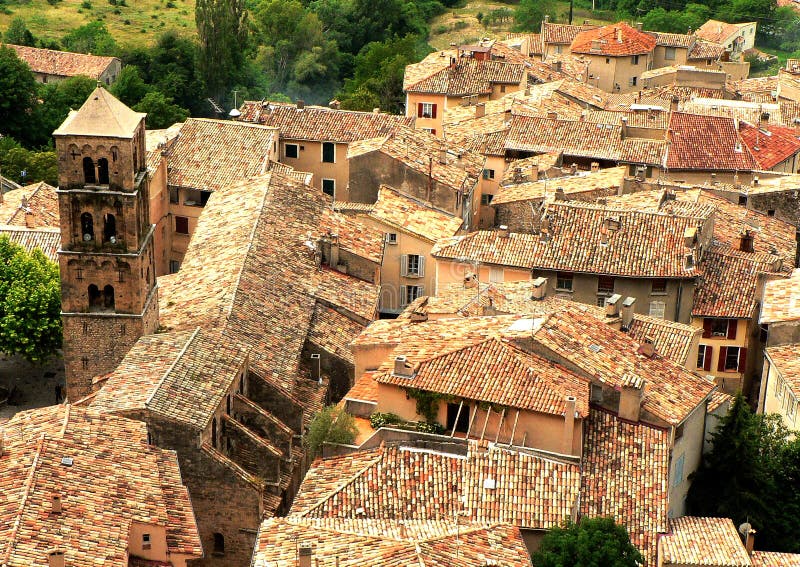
(30, 303)
(530, 13)
(378, 420)
(92, 38)
(161, 111)
(17, 95)
(676, 21)
(330, 425)
(593, 542)
(222, 28)
(57, 100)
(38, 166)
(19, 34)
(427, 402)
(130, 87)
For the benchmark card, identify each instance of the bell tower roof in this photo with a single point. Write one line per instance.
(101, 115)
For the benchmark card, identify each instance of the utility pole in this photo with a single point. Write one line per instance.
(570, 10)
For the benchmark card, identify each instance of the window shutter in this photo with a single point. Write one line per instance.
(723, 353)
(707, 358)
(732, 328)
(433, 110)
(420, 290)
(403, 296)
(742, 367)
(404, 265)
(419, 110)
(421, 265)
(706, 328)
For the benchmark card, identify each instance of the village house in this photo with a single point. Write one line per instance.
(81, 488)
(780, 310)
(775, 148)
(410, 227)
(735, 38)
(49, 66)
(556, 39)
(316, 139)
(780, 389)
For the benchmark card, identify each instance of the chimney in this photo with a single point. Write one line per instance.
(539, 289)
(55, 500)
(646, 348)
(546, 18)
(745, 241)
(595, 166)
(29, 221)
(573, 169)
(488, 310)
(502, 231)
(334, 259)
(534, 175)
(638, 26)
(627, 312)
(480, 110)
(624, 123)
(551, 115)
(335, 104)
(305, 555)
(316, 368)
(619, 34)
(713, 179)
(560, 196)
(749, 541)
(376, 110)
(613, 305)
(443, 156)
(690, 237)
(402, 368)
(556, 66)
(569, 425)
(403, 530)
(301, 104)
(630, 398)
(470, 281)
(55, 558)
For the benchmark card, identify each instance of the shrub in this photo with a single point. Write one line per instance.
(331, 425)
(86, 5)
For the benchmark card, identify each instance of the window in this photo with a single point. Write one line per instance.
(790, 411)
(182, 225)
(391, 238)
(87, 226)
(488, 173)
(173, 195)
(657, 309)
(174, 266)
(743, 200)
(486, 199)
(291, 151)
(608, 60)
(108, 297)
(109, 228)
(431, 131)
(412, 265)
(328, 152)
(719, 327)
(193, 198)
(219, 544)
(408, 293)
(632, 81)
(703, 357)
(605, 284)
(564, 281)
(145, 541)
(596, 393)
(732, 359)
(502, 88)
(102, 171)
(457, 417)
(669, 54)
(204, 197)
(88, 170)
(635, 60)
(496, 274)
(44, 79)
(329, 187)
(658, 286)
(559, 48)
(770, 212)
(677, 477)
(426, 110)
(85, 362)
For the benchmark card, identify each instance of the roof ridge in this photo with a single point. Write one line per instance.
(377, 459)
(171, 368)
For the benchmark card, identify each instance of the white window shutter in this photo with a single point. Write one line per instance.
(404, 265)
(420, 290)
(403, 296)
(421, 265)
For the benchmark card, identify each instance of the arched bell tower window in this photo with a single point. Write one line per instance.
(95, 300)
(108, 297)
(102, 171)
(109, 228)
(87, 226)
(88, 171)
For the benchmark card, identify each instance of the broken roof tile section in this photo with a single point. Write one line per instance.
(320, 124)
(615, 40)
(62, 63)
(696, 540)
(391, 543)
(211, 154)
(407, 483)
(625, 476)
(130, 481)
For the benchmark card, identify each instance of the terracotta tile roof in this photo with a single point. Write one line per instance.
(562, 33)
(706, 142)
(333, 331)
(717, 399)
(582, 183)
(674, 39)
(786, 360)
(626, 476)
(574, 138)
(494, 371)
(747, 111)
(537, 71)
(670, 339)
(48, 240)
(757, 85)
(249, 273)
(769, 144)
(717, 31)
(113, 478)
(641, 150)
(365, 389)
(62, 63)
(584, 92)
(181, 376)
(781, 301)
(522, 168)
(645, 245)
(38, 198)
(730, 283)
(211, 154)
(318, 123)
(616, 40)
(413, 215)
(469, 76)
(654, 119)
(406, 483)
(390, 543)
(703, 541)
(705, 50)
(352, 208)
(775, 559)
(421, 151)
(432, 63)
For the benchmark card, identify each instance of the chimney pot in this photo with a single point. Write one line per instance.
(560, 196)
(316, 367)
(627, 312)
(613, 305)
(301, 104)
(750, 540)
(539, 289)
(401, 367)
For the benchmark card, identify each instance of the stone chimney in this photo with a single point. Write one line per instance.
(630, 397)
(569, 425)
(480, 110)
(30, 222)
(301, 104)
(745, 241)
(595, 166)
(55, 502)
(502, 231)
(534, 175)
(334, 259)
(638, 26)
(624, 126)
(305, 555)
(749, 541)
(316, 368)
(443, 156)
(402, 368)
(573, 169)
(539, 289)
(690, 237)
(619, 34)
(560, 196)
(55, 558)
(556, 66)
(647, 348)
(613, 304)
(335, 104)
(376, 110)
(627, 312)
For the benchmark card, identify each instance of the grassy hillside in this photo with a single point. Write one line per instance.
(138, 23)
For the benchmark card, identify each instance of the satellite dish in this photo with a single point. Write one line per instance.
(745, 528)
(87, 237)
(234, 113)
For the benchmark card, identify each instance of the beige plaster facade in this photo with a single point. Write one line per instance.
(330, 176)
(779, 396)
(729, 378)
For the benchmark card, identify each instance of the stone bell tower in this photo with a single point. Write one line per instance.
(109, 296)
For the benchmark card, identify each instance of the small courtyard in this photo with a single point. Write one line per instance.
(26, 386)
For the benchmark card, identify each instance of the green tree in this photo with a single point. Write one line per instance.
(529, 14)
(91, 38)
(56, 101)
(19, 34)
(161, 111)
(30, 303)
(592, 542)
(222, 29)
(330, 425)
(17, 95)
(130, 87)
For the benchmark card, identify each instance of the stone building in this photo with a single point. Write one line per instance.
(49, 65)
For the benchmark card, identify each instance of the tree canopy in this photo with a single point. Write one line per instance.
(592, 542)
(17, 95)
(331, 425)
